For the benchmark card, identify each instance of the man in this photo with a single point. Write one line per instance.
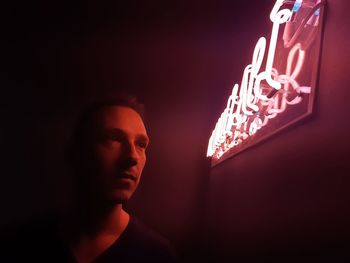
(107, 154)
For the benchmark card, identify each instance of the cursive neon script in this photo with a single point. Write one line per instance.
(262, 94)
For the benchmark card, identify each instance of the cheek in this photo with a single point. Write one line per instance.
(142, 161)
(107, 156)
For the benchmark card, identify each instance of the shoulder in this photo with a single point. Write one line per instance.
(145, 243)
(144, 234)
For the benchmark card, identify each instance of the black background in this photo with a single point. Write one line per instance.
(280, 199)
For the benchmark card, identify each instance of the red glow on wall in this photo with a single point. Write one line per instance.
(277, 88)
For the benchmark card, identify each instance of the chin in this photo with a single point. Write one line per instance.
(120, 196)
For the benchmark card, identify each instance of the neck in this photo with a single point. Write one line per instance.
(92, 229)
(93, 218)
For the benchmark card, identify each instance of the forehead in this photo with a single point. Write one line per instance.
(120, 117)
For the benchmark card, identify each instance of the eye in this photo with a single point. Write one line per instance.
(116, 137)
(142, 144)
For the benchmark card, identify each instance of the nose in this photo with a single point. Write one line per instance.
(131, 155)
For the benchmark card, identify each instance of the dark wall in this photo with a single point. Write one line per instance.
(178, 57)
(181, 59)
(288, 198)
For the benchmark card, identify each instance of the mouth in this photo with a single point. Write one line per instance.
(124, 180)
(126, 176)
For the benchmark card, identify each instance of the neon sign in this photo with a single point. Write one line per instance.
(277, 88)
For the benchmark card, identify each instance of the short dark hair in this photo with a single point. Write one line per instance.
(85, 121)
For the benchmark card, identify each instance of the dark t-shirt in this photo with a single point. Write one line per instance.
(138, 243)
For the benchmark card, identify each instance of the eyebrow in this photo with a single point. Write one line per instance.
(122, 132)
(143, 137)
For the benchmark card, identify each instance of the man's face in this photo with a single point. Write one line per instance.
(118, 152)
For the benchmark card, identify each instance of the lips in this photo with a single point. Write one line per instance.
(126, 175)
